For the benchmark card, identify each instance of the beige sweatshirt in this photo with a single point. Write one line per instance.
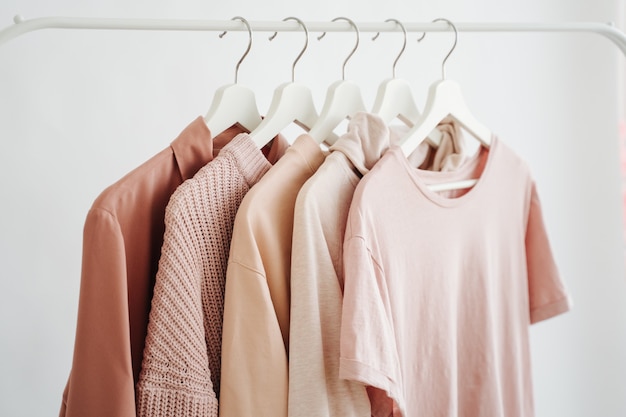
(256, 312)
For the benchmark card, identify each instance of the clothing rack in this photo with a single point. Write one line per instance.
(22, 26)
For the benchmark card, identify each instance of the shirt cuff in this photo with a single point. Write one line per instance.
(547, 311)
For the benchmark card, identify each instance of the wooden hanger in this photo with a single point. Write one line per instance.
(292, 103)
(233, 103)
(394, 98)
(343, 100)
(445, 99)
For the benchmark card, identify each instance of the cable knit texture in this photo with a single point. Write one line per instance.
(180, 373)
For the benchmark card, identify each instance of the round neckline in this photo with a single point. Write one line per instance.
(420, 177)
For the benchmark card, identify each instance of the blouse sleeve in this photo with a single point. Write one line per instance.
(102, 345)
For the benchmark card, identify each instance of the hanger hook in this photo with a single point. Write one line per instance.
(356, 30)
(245, 22)
(403, 45)
(306, 44)
(456, 37)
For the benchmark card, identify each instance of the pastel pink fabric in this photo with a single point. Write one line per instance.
(320, 215)
(180, 374)
(439, 292)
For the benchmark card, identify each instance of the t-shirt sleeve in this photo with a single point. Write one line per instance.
(547, 294)
(368, 352)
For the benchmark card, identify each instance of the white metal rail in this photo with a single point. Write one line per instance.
(22, 26)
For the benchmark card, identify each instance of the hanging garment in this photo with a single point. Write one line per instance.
(439, 292)
(255, 342)
(320, 215)
(181, 364)
(122, 240)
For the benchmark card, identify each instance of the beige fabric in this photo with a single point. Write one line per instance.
(320, 215)
(256, 312)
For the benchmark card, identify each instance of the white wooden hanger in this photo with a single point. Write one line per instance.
(445, 99)
(292, 103)
(394, 98)
(343, 100)
(233, 103)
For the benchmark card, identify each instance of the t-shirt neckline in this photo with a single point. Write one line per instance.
(420, 177)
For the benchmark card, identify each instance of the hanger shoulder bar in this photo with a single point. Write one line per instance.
(22, 26)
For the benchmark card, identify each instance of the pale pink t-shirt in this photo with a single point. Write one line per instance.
(439, 292)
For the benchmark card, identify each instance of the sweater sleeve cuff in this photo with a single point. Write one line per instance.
(154, 402)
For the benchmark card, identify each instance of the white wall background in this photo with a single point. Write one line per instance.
(79, 109)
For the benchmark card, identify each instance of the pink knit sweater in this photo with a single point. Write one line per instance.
(181, 365)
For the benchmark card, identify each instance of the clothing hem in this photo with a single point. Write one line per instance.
(154, 402)
(354, 370)
(550, 310)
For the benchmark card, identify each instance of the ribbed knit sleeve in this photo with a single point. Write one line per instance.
(181, 366)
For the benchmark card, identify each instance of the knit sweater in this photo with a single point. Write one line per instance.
(181, 365)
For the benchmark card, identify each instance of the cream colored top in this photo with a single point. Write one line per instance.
(255, 337)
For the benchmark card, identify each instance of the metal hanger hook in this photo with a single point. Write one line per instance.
(356, 30)
(245, 22)
(306, 44)
(403, 45)
(456, 38)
